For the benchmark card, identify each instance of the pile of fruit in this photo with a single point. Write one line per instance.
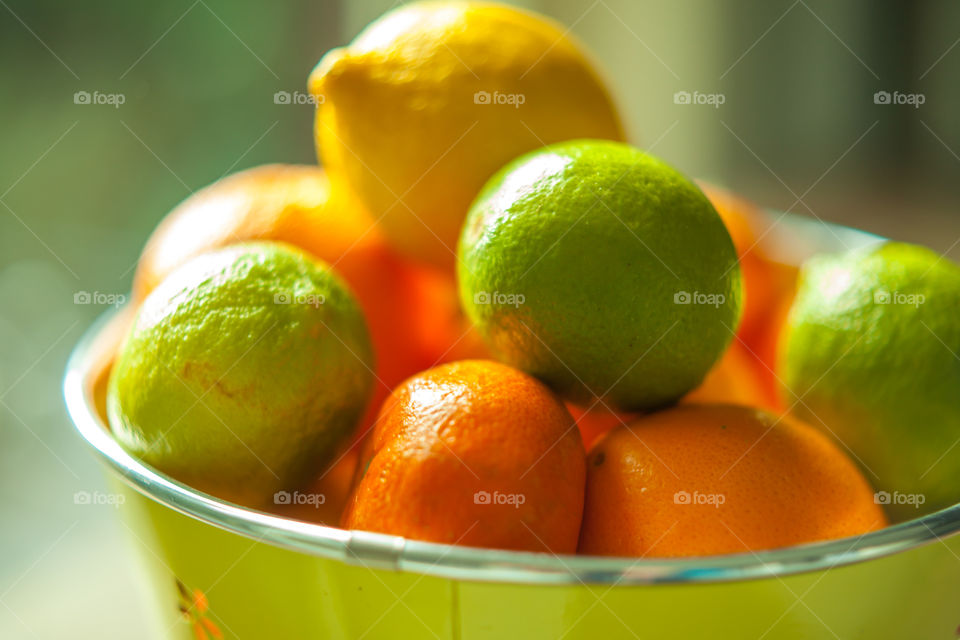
(489, 321)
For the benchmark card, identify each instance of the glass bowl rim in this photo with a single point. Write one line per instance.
(382, 551)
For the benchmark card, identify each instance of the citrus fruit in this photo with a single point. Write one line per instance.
(870, 354)
(243, 372)
(109, 343)
(736, 379)
(763, 344)
(433, 97)
(596, 420)
(715, 479)
(602, 271)
(412, 311)
(742, 218)
(282, 202)
(473, 453)
(768, 284)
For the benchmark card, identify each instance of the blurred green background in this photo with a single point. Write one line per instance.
(82, 185)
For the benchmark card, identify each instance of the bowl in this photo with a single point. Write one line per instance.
(221, 570)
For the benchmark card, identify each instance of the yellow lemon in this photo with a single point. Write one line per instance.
(432, 98)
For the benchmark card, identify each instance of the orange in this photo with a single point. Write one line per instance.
(768, 284)
(736, 379)
(473, 453)
(761, 341)
(412, 311)
(286, 203)
(596, 420)
(764, 341)
(108, 343)
(716, 479)
(742, 217)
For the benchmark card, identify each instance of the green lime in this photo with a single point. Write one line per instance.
(870, 353)
(243, 372)
(601, 270)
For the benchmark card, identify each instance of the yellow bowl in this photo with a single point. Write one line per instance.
(218, 568)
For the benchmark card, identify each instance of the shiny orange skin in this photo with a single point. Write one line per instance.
(737, 379)
(412, 311)
(716, 479)
(447, 435)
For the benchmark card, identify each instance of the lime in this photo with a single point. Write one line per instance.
(243, 372)
(601, 270)
(870, 353)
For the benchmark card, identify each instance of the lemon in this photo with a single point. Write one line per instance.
(243, 372)
(870, 353)
(433, 97)
(603, 271)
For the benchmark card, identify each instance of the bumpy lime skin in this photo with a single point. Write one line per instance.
(869, 353)
(575, 263)
(243, 372)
